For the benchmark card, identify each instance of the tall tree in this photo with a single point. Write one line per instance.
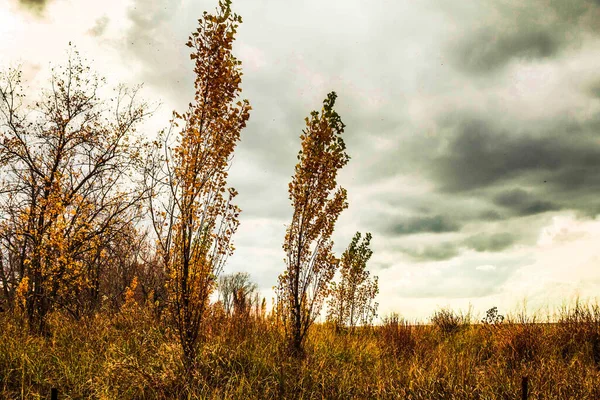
(65, 161)
(352, 299)
(192, 210)
(317, 205)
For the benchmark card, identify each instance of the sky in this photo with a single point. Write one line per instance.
(473, 130)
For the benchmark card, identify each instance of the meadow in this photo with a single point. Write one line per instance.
(133, 354)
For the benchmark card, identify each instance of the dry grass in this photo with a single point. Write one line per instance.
(132, 356)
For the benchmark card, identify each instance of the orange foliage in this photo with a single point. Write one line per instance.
(192, 210)
(352, 299)
(66, 193)
(310, 261)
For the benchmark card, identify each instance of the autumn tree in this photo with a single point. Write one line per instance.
(192, 210)
(352, 298)
(237, 293)
(66, 161)
(317, 204)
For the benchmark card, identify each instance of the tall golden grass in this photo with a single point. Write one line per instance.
(134, 355)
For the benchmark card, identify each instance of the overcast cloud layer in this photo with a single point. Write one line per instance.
(473, 127)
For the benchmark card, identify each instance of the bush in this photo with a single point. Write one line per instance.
(448, 322)
(492, 317)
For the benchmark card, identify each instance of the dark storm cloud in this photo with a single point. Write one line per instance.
(490, 50)
(489, 215)
(523, 202)
(436, 252)
(447, 250)
(434, 224)
(523, 31)
(484, 171)
(492, 242)
(481, 155)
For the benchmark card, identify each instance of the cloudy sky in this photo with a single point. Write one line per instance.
(473, 128)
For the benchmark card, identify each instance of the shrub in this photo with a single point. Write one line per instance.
(449, 322)
(492, 317)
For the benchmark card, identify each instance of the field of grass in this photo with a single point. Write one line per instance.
(132, 355)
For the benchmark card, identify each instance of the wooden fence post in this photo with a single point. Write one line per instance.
(524, 388)
(54, 394)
